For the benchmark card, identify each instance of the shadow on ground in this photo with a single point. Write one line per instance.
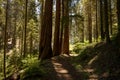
(60, 68)
(100, 61)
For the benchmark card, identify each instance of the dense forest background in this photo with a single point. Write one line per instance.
(85, 33)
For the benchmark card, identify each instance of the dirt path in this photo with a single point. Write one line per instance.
(61, 69)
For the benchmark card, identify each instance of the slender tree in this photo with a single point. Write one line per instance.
(82, 40)
(89, 22)
(15, 23)
(31, 42)
(106, 21)
(110, 18)
(101, 20)
(5, 40)
(25, 28)
(96, 20)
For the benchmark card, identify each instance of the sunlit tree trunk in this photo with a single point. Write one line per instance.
(57, 28)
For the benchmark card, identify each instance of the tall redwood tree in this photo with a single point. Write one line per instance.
(57, 29)
(66, 28)
(46, 32)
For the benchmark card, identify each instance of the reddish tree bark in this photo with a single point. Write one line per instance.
(57, 28)
(46, 32)
(66, 28)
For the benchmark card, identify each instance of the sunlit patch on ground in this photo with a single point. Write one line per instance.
(62, 73)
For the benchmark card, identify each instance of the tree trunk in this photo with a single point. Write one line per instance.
(25, 28)
(14, 35)
(82, 40)
(110, 17)
(5, 41)
(57, 28)
(89, 23)
(22, 39)
(31, 43)
(61, 29)
(46, 29)
(66, 28)
(96, 20)
(118, 16)
(106, 21)
(101, 21)
(41, 29)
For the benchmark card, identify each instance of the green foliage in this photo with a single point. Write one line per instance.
(79, 47)
(29, 61)
(12, 64)
(32, 28)
(33, 33)
(33, 72)
(77, 16)
(15, 59)
(85, 53)
(28, 68)
(32, 69)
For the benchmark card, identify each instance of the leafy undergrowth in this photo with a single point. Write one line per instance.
(77, 48)
(29, 68)
(32, 69)
(103, 58)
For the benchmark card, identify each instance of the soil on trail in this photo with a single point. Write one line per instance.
(59, 68)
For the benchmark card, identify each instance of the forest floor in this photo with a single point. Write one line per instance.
(60, 68)
(95, 62)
